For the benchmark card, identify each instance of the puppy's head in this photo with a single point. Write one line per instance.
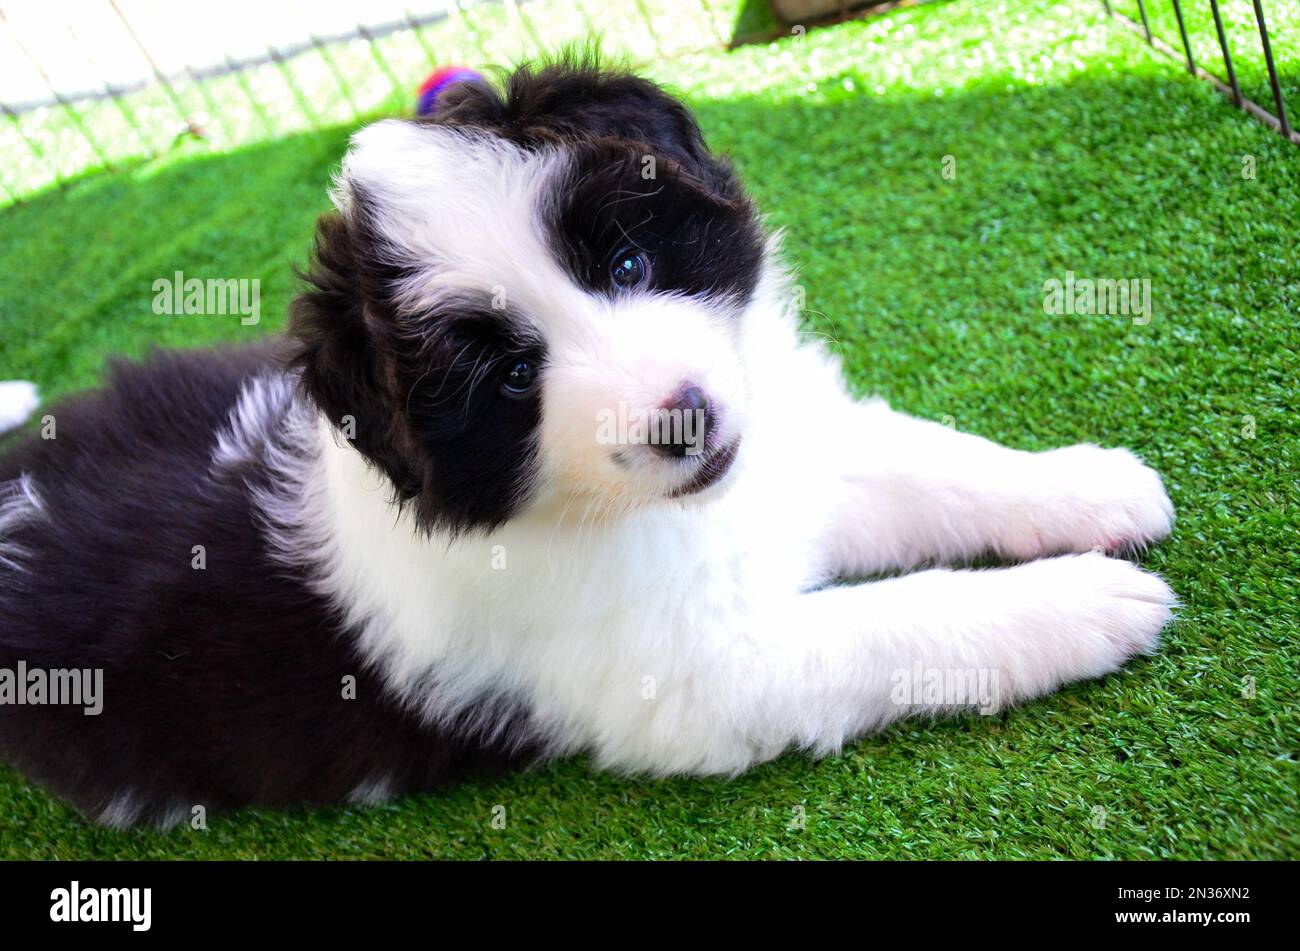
(535, 298)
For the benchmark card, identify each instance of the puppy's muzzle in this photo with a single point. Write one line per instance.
(685, 419)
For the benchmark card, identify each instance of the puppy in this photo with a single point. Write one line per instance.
(543, 466)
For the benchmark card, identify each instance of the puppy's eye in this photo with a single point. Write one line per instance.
(519, 378)
(630, 268)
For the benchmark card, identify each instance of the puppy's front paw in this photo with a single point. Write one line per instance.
(1106, 500)
(1106, 611)
(1131, 606)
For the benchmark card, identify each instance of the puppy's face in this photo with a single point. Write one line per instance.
(536, 299)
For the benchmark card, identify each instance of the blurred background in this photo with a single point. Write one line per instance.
(97, 84)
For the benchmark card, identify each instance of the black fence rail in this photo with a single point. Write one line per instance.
(1197, 61)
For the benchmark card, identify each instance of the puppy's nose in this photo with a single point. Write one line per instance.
(683, 422)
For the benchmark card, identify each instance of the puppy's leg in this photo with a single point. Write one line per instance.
(1030, 628)
(823, 667)
(917, 492)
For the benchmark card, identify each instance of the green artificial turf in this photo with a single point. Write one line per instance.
(1076, 149)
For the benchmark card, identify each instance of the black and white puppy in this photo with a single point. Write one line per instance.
(424, 534)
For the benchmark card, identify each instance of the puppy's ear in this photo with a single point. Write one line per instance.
(342, 358)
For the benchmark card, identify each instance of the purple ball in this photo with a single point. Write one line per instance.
(427, 100)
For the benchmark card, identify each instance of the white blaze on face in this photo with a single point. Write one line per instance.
(461, 209)
(465, 212)
(621, 361)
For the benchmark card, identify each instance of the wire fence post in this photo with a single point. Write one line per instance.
(1146, 27)
(649, 25)
(113, 94)
(1285, 127)
(473, 32)
(73, 113)
(332, 65)
(1187, 46)
(190, 125)
(1227, 56)
(13, 195)
(35, 146)
(384, 68)
(214, 112)
(587, 22)
(712, 19)
(419, 38)
(538, 46)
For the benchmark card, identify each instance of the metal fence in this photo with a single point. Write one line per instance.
(1228, 81)
(108, 83)
(102, 84)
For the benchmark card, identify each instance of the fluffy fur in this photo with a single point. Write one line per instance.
(17, 400)
(413, 567)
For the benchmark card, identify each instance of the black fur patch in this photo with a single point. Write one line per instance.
(423, 390)
(642, 178)
(222, 687)
(700, 241)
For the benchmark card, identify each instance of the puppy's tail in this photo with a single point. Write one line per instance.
(18, 400)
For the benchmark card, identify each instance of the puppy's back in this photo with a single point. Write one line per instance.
(129, 544)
